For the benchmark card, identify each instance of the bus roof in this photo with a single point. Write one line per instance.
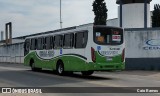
(67, 29)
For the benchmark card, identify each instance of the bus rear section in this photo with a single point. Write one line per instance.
(107, 51)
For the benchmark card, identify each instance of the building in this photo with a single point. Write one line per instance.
(132, 14)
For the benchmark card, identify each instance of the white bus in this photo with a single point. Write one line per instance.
(84, 49)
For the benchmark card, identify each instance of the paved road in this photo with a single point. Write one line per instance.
(17, 75)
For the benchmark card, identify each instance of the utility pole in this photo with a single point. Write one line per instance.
(61, 14)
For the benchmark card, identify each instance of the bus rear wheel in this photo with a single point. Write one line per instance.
(60, 68)
(87, 73)
(33, 68)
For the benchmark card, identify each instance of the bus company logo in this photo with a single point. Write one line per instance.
(153, 44)
(45, 54)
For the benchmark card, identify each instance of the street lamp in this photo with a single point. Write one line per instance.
(60, 15)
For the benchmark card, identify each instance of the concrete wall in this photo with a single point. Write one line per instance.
(143, 48)
(12, 53)
(133, 15)
(113, 22)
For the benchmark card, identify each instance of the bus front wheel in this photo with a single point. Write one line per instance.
(60, 68)
(87, 73)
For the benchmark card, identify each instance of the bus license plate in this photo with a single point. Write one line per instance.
(109, 58)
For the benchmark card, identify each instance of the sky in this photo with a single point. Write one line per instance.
(35, 16)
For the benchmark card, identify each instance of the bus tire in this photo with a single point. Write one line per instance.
(60, 68)
(87, 73)
(33, 68)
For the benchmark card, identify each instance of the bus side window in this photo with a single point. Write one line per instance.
(35, 46)
(64, 40)
(85, 39)
(44, 43)
(58, 41)
(32, 44)
(40, 43)
(48, 42)
(52, 42)
(61, 41)
(72, 40)
(81, 39)
(67, 43)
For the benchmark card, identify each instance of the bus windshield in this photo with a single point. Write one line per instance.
(108, 36)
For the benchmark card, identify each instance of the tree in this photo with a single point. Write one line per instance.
(100, 12)
(156, 16)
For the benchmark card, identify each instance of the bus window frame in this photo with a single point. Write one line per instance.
(41, 45)
(122, 36)
(71, 41)
(60, 42)
(83, 45)
(35, 44)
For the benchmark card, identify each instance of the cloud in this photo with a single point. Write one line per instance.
(77, 12)
(29, 16)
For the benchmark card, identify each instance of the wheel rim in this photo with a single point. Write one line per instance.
(60, 69)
